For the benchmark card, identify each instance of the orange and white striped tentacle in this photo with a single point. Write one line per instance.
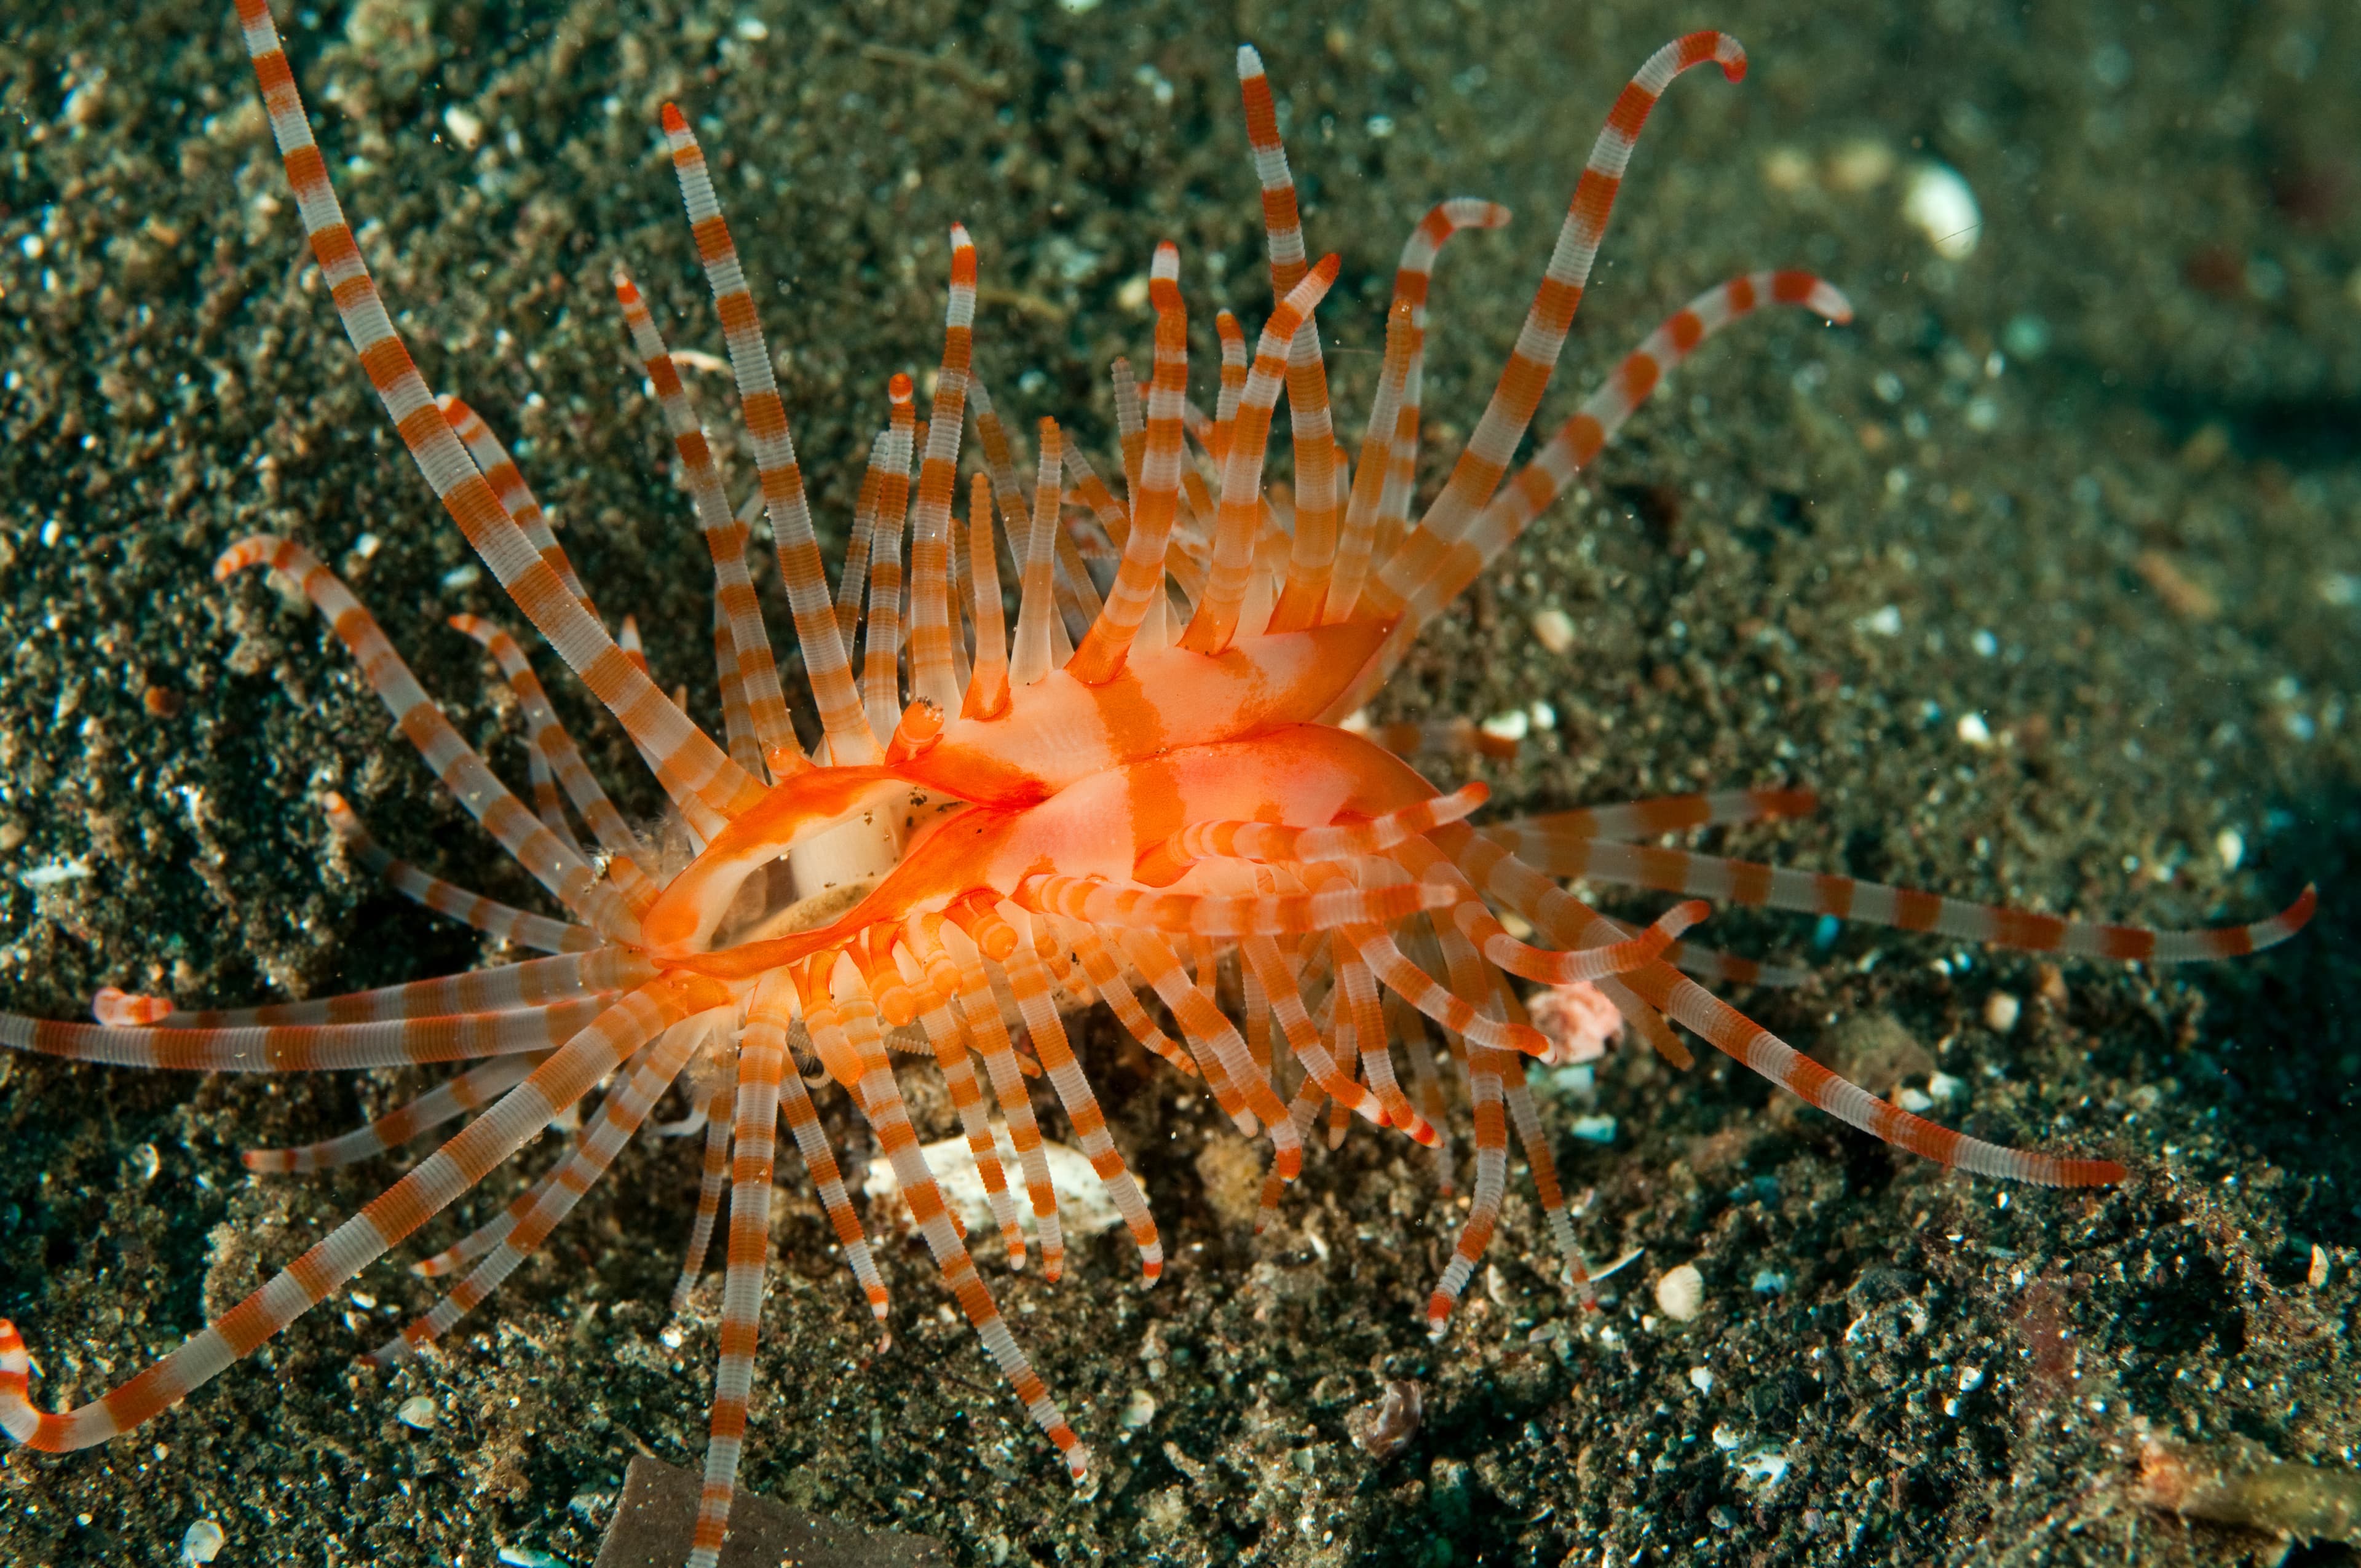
(619, 1116)
(987, 1031)
(763, 1065)
(1447, 1007)
(500, 472)
(757, 670)
(1036, 604)
(1097, 902)
(534, 982)
(1668, 814)
(489, 915)
(548, 800)
(1280, 986)
(1238, 526)
(1517, 1095)
(853, 580)
(1232, 338)
(1130, 425)
(1511, 883)
(707, 786)
(881, 1099)
(1454, 564)
(1358, 991)
(933, 628)
(1205, 1027)
(881, 643)
(1389, 462)
(1510, 409)
(1410, 1027)
(1487, 1105)
(1312, 559)
(825, 658)
(1139, 580)
(802, 1118)
(950, 1043)
(547, 737)
(737, 718)
(1113, 988)
(571, 879)
(1906, 909)
(1271, 842)
(987, 684)
(593, 1052)
(1031, 983)
(319, 1048)
(713, 1179)
(470, 1091)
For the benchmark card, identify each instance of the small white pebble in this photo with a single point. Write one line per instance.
(1768, 1282)
(1132, 293)
(1544, 716)
(1701, 1380)
(203, 1543)
(1970, 1379)
(419, 1412)
(1725, 1440)
(465, 576)
(1974, 730)
(368, 545)
(1938, 203)
(753, 30)
(1943, 1086)
(1885, 622)
(1764, 1469)
(1138, 1411)
(2231, 845)
(2318, 1276)
(1509, 725)
(1915, 1100)
(1680, 1292)
(1555, 629)
(2000, 1011)
(466, 129)
(526, 1557)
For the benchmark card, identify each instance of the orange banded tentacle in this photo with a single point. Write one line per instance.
(500, 471)
(1107, 974)
(1302, 1036)
(802, 1118)
(1272, 842)
(711, 1181)
(489, 915)
(757, 672)
(619, 1116)
(1663, 814)
(825, 659)
(1096, 902)
(1487, 1105)
(987, 1031)
(315, 1048)
(881, 641)
(472, 1090)
(987, 685)
(852, 581)
(547, 736)
(534, 982)
(565, 875)
(1534, 1138)
(1030, 982)
(933, 629)
(762, 1064)
(944, 1033)
(1203, 1023)
(594, 1051)
(548, 801)
(1139, 580)
(707, 786)
(1477, 474)
(1409, 1026)
(1358, 991)
(737, 718)
(1036, 604)
(1238, 528)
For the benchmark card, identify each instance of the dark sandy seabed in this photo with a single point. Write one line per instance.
(2095, 484)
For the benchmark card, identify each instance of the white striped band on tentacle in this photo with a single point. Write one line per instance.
(825, 659)
(535, 982)
(707, 786)
(711, 1182)
(1139, 580)
(1114, 989)
(932, 630)
(1454, 563)
(886, 1115)
(762, 1065)
(725, 539)
(987, 1031)
(1239, 526)
(987, 685)
(547, 736)
(1312, 559)
(1207, 1028)
(1030, 982)
(508, 923)
(470, 1091)
(1130, 429)
(1029, 660)
(507, 819)
(466, 1159)
(500, 472)
(619, 1116)
(1302, 1036)
(1378, 508)
(318, 1047)
(881, 641)
(1531, 894)
(1539, 341)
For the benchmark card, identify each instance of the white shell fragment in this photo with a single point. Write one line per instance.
(203, 1543)
(1083, 1207)
(1939, 203)
(1680, 1292)
(418, 1411)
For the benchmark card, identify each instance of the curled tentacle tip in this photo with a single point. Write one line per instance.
(1078, 1461)
(675, 124)
(1150, 1273)
(1249, 60)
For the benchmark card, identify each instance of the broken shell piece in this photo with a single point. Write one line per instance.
(1384, 1426)
(1939, 203)
(1681, 1293)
